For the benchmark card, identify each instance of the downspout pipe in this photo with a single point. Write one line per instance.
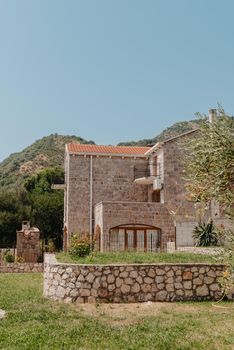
(91, 199)
(66, 197)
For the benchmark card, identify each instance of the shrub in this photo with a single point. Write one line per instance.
(50, 247)
(8, 257)
(80, 246)
(205, 234)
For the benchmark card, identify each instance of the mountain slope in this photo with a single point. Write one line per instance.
(49, 152)
(46, 152)
(174, 130)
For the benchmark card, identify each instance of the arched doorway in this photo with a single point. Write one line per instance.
(135, 237)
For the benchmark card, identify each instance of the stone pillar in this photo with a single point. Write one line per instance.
(28, 243)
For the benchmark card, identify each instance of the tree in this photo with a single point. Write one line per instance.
(47, 204)
(14, 208)
(209, 163)
(209, 167)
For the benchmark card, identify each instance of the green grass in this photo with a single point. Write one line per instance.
(34, 323)
(136, 257)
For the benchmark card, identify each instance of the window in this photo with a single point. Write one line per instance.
(135, 237)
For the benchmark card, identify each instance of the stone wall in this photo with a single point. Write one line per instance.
(21, 267)
(202, 250)
(110, 214)
(131, 283)
(174, 184)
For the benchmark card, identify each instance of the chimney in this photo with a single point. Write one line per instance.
(25, 225)
(212, 115)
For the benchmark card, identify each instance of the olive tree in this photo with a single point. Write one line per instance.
(209, 163)
(209, 175)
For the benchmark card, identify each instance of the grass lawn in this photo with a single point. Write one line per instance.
(33, 322)
(136, 257)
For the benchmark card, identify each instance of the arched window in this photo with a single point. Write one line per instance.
(135, 237)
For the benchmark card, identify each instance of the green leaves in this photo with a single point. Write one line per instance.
(37, 203)
(209, 163)
(14, 207)
(205, 235)
(47, 204)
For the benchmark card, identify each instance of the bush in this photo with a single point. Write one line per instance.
(205, 234)
(8, 257)
(50, 247)
(80, 246)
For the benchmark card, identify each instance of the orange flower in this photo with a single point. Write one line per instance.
(226, 274)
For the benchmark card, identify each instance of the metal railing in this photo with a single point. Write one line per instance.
(144, 172)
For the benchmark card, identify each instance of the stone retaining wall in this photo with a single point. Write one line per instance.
(131, 283)
(21, 267)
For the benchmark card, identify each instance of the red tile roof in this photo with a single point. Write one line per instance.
(98, 149)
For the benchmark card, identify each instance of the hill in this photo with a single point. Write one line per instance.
(174, 130)
(49, 152)
(44, 153)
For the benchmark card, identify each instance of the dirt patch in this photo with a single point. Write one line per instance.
(126, 314)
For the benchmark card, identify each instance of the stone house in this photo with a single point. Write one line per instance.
(129, 198)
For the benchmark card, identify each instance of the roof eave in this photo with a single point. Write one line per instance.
(181, 135)
(106, 154)
(153, 149)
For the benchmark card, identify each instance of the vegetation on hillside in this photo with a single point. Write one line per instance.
(174, 130)
(44, 153)
(49, 152)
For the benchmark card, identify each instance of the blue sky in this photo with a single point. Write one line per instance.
(109, 70)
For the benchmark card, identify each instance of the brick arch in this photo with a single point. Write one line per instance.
(137, 224)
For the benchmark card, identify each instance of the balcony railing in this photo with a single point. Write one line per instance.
(144, 172)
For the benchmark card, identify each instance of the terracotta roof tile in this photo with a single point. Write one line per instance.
(99, 149)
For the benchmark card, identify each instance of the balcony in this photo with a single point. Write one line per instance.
(145, 176)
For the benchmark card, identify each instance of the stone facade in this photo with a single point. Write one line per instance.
(132, 283)
(174, 184)
(111, 214)
(21, 267)
(112, 180)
